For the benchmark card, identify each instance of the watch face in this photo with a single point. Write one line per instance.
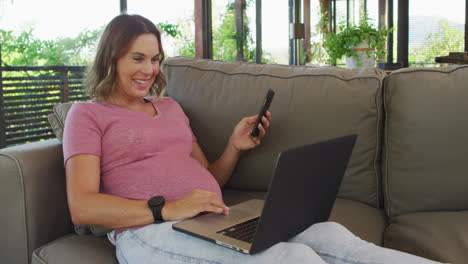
(156, 200)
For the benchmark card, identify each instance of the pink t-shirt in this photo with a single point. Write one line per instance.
(141, 156)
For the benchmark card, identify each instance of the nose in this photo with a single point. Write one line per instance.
(149, 68)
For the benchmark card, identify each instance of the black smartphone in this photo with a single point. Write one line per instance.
(266, 104)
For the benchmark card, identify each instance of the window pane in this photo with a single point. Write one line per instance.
(229, 42)
(373, 11)
(174, 18)
(275, 31)
(341, 13)
(317, 55)
(50, 32)
(435, 29)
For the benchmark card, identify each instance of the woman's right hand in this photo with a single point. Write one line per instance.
(192, 204)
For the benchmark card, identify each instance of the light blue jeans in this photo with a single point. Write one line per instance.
(327, 242)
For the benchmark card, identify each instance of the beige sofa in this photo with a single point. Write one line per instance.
(406, 186)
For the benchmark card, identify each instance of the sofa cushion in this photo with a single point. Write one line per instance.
(74, 249)
(364, 221)
(426, 140)
(441, 236)
(57, 118)
(310, 104)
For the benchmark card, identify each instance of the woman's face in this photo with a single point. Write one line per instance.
(138, 68)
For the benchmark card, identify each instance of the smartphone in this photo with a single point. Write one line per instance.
(266, 104)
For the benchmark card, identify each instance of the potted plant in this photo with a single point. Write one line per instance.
(357, 42)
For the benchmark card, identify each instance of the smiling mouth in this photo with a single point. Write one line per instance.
(142, 83)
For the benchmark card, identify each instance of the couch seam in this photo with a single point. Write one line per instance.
(377, 146)
(34, 256)
(51, 242)
(269, 75)
(23, 211)
(387, 202)
(428, 70)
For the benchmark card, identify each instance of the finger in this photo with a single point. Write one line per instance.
(268, 114)
(210, 208)
(216, 208)
(218, 202)
(265, 122)
(251, 119)
(262, 131)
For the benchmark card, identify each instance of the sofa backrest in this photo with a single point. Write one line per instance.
(310, 104)
(425, 153)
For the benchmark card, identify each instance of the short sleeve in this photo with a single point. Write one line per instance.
(82, 134)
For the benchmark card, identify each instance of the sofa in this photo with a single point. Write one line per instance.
(405, 188)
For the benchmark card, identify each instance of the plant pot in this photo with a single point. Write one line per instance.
(364, 61)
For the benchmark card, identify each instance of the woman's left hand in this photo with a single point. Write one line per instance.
(241, 139)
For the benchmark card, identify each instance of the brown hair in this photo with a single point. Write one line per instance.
(114, 43)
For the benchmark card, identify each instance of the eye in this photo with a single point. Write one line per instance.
(138, 59)
(156, 58)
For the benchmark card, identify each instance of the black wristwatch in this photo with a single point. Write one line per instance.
(156, 204)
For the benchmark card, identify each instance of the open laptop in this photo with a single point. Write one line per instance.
(302, 192)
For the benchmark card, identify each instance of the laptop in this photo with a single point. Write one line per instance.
(301, 193)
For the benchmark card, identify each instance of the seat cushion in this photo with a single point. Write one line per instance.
(310, 105)
(76, 249)
(364, 221)
(441, 236)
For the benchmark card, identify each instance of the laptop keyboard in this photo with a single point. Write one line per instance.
(244, 231)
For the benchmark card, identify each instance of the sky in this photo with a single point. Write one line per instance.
(65, 18)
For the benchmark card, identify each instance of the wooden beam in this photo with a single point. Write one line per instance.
(258, 24)
(123, 6)
(348, 11)
(403, 32)
(306, 43)
(239, 7)
(390, 35)
(203, 37)
(333, 16)
(2, 110)
(291, 21)
(466, 26)
(382, 14)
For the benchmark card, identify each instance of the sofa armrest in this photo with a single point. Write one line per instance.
(33, 200)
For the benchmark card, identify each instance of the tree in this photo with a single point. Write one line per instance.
(24, 49)
(447, 39)
(228, 41)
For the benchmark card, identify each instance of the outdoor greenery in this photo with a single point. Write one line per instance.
(316, 53)
(228, 41)
(448, 39)
(24, 49)
(342, 43)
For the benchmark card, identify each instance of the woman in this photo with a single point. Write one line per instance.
(133, 165)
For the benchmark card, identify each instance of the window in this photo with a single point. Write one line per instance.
(52, 32)
(174, 18)
(317, 55)
(435, 29)
(275, 31)
(234, 30)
